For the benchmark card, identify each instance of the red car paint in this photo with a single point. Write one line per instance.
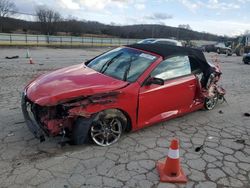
(143, 104)
(68, 83)
(163, 100)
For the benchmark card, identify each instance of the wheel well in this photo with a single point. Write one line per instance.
(129, 122)
(121, 113)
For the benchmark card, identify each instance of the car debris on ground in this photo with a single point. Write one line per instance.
(12, 57)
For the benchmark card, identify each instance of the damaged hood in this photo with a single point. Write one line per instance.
(69, 83)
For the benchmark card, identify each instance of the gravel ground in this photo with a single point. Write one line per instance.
(223, 162)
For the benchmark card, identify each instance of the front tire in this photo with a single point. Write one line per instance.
(107, 127)
(80, 133)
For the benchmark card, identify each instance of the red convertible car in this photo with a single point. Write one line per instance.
(124, 89)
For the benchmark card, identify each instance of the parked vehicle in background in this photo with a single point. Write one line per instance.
(124, 89)
(161, 41)
(246, 58)
(198, 47)
(241, 45)
(219, 48)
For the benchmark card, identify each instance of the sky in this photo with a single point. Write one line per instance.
(222, 17)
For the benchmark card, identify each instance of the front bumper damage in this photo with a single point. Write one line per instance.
(30, 119)
(61, 119)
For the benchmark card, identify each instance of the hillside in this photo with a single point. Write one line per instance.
(79, 28)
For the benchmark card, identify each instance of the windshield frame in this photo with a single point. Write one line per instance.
(125, 47)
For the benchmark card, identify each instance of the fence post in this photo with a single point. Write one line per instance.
(10, 39)
(47, 38)
(37, 40)
(92, 41)
(26, 38)
(111, 42)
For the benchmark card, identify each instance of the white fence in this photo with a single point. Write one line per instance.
(7, 39)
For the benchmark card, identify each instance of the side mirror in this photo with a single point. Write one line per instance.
(153, 80)
(86, 62)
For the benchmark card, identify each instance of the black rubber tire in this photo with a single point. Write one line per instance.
(218, 50)
(240, 52)
(228, 53)
(207, 107)
(80, 132)
(221, 99)
(246, 62)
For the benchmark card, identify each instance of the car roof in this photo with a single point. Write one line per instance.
(167, 51)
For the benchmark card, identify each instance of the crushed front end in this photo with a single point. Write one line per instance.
(59, 119)
(46, 121)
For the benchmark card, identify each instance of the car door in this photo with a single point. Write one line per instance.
(159, 102)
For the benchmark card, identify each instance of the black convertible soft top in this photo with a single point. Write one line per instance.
(196, 56)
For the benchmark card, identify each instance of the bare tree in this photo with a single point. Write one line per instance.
(49, 19)
(7, 8)
(185, 26)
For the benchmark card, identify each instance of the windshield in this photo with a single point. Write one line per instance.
(122, 63)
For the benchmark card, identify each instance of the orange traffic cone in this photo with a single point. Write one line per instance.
(31, 61)
(171, 171)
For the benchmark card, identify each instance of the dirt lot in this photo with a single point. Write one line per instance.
(223, 162)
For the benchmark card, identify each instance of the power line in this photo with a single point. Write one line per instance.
(24, 13)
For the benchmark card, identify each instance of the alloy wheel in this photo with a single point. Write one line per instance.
(210, 103)
(105, 132)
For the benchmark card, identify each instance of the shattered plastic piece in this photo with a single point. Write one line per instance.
(12, 57)
(221, 112)
(10, 134)
(19, 122)
(247, 114)
(198, 148)
(240, 141)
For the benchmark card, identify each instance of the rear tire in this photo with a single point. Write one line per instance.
(246, 62)
(228, 53)
(218, 50)
(240, 52)
(210, 103)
